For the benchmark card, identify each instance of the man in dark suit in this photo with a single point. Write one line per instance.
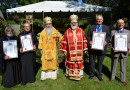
(119, 54)
(100, 54)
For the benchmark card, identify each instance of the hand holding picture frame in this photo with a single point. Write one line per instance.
(27, 43)
(120, 43)
(10, 49)
(98, 40)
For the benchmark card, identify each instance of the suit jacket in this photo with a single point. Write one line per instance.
(107, 39)
(123, 54)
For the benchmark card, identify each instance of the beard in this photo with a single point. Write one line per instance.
(9, 35)
(74, 26)
(48, 30)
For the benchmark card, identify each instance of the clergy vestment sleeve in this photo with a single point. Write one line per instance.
(63, 43)
(84, 41)
(60, 36)
(40, 45)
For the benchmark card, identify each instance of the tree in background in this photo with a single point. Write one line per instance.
(120, 8)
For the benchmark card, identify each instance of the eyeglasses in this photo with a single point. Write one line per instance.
(26, 26)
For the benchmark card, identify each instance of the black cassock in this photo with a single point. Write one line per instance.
(1, 62)
(28, 62)
(10, 69)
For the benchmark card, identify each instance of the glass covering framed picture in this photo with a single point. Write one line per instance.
(98, 40)
(120, 42)
(10, 48)
(26, 42)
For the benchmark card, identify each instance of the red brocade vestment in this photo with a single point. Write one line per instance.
(73, 44)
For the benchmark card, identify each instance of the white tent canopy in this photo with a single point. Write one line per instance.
(58, 6)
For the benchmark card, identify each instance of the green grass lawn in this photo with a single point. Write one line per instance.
(63, 83)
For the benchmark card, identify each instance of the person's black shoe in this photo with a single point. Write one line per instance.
(100, 79)
(110, 80)
(90, 77)
(125, 83)
(23, 84)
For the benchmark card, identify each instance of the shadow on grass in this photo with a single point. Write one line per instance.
(62, 63)
(106, 71)
(86, 63)
(37, 67)
(86, 67)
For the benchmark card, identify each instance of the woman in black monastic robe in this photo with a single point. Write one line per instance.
(11, 70)
(28, 59)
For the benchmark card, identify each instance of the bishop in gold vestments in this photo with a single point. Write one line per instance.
(48, 46)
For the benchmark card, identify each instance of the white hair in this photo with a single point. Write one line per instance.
(9, 27)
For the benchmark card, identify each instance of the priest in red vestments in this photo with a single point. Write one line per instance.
(74, 44)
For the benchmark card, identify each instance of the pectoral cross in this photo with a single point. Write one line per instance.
(48, 40)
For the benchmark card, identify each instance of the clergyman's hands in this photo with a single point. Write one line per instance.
(21, 50)
(90, 43)
(105, 43)
(115, 50)
(6, 57)
(129, 50)
(41, 51)
(34, 47)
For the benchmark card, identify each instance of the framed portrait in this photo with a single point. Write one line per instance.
(98, 40)
(26, 42)
(29, 19)
(10, 48)
(120, 43)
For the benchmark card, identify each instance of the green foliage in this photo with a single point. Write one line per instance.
(83, 21)
(8, 22)
(38, 22)
(87, 29)
(96, 2)
(60, 22)
(26, 2)
(21, 22)
(4, 24)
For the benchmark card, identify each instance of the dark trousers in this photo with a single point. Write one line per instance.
(92, 61)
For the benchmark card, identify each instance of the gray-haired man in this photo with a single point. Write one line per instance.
(119, 54)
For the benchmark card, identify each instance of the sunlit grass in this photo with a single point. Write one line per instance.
(63, 83)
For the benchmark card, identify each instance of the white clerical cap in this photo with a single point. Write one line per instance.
(73, 18)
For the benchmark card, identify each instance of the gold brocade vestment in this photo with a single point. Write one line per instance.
(49, 49)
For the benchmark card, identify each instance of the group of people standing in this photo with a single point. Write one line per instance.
(20, 69)
(74, 43)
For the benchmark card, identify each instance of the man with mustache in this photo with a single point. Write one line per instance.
(49, 37)
(74, 44)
